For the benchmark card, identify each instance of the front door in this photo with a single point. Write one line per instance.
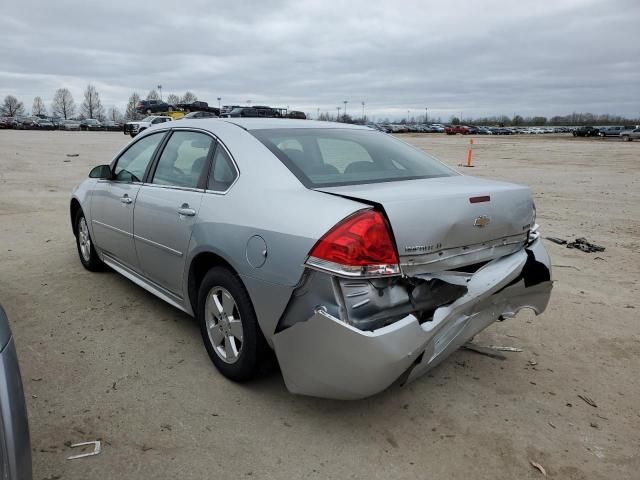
(167, 208)
(113, 201)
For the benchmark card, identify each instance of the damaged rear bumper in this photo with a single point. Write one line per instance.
(326, 357)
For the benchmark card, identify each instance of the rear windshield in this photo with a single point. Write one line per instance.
(327, 157)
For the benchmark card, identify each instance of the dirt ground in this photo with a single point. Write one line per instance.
(103, 359)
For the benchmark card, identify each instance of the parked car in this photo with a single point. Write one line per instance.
(359, 271)
(91, 124)
(111, 126)
(199, 115)
(7, 122)
(453, 129)
(69, 125)
(586, 132)
(133, 128)
(44, 124)
(297, 115)
(198, 106)
(257, 111)
(154, 106)
(629, 135)
(26, 123)
(613, 131)
(15, 444)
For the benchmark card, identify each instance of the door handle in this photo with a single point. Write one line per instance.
(126, 199)
(186, 210)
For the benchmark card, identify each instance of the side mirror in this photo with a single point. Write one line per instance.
(101, 171)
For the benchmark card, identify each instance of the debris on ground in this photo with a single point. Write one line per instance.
(551, 425)
(539, 467)
(500, 348)
(587, 400)
(559, 241)
(489, 352)
(97, 448)
(584, 245)
(580, 243)
(73, 154)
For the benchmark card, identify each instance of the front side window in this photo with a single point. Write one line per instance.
(132, 164)
(325, 157)
(223, 173)
(183, 160)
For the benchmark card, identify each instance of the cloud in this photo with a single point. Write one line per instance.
(462, 57)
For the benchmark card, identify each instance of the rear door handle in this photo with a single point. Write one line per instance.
(186, 210)
(126, 199)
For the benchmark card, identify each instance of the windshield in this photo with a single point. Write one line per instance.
(322, 157)
(148, 119)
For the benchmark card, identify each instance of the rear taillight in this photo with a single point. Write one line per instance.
(358, 246)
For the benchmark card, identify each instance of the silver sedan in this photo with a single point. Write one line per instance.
(360, 260)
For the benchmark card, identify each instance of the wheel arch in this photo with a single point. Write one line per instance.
(74, 208)
(198, 268)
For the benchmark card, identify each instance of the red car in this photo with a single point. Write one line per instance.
(453, 129)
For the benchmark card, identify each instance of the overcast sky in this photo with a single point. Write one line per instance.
(454, 57)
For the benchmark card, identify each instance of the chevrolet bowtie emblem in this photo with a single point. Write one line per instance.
(481, 221)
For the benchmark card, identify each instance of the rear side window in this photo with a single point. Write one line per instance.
(183, 160)
(322, 157)
(132, 164)
(223, 174)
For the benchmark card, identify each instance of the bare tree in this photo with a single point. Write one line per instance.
(131, 113)
(115, 115)
(11, 107)
(173, 99)
(189, 97)
(38, 107)
(153, 95)
(92, 107)
(63, 104)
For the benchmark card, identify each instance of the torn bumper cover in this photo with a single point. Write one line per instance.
(326, 357)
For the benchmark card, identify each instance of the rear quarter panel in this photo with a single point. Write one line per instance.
(268, 201)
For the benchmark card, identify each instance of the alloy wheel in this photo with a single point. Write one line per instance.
(224, 325)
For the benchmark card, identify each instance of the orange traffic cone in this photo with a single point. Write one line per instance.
(469, 154)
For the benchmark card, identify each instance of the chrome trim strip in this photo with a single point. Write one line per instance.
(446, 254)
(174, 187)
(389, 270)
(112, 228)
(177, 253)
(157, 290)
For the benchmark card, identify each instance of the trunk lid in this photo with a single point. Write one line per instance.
(437, 227)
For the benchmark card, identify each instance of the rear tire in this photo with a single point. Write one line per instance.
(88, 255)
(229, 326)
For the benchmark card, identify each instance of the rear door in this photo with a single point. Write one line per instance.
(167, 207)
(112, 202)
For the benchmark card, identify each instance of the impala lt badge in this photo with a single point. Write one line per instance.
(481, 221)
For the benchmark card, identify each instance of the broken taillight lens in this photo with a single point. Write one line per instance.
(358, 246)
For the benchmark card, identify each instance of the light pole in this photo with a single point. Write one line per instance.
(426, 115)
(338, 118)
(160, 90)
(363, 118)
(318, 114)
(408, 113)
(219, 100)
(345, 110)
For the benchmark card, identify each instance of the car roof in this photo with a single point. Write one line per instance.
(269, 123)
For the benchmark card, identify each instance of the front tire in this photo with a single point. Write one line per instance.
(87, 252)
(228, 325)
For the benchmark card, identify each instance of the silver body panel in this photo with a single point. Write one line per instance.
(15, 443)
(264, 227)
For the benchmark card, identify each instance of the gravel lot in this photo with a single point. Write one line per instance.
(103, 359)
